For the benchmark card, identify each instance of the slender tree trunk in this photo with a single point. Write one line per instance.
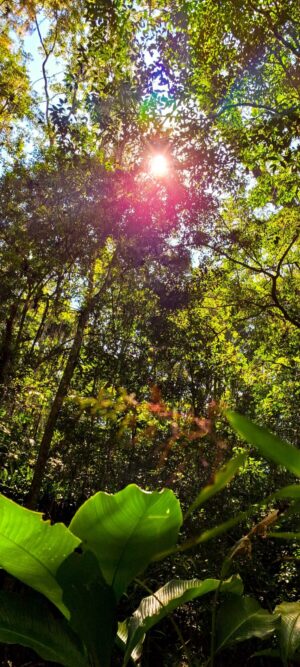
(6, 352)
(64, 385)
(22, 322)
(56, 406)
(40, 329)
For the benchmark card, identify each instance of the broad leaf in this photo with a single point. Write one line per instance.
(222, 478)
(241, 618)
(92, 605)
(155, 607)
(269, 445)
(26, 619)
(289, 629)
(32, 550)
(127, 530)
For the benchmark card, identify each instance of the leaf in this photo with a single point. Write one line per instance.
(127, 530)
(155, 607)
(121, 641)
(242, 618)
(285, 536)
(92, 604)
(269, 445)
(32, 550)
(267, 653)
(284, 361)
(292, 492)
(289, 629)
(122, 635)
(26, 619)
(222, 478)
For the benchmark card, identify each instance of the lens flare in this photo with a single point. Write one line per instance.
(159, 165)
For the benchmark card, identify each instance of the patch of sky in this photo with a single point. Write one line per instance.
(159, 100)
(265, 212)
(54, 69)
(295, 143)
(197, 255)
(251, 182)
(34, 50)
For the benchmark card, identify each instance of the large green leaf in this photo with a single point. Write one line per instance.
(269, 445)
(289, 629)
(32, 550)
(27, 620)
(127, 530)
(241, 618)
(222, 478)
(155, 607)
(92, 604)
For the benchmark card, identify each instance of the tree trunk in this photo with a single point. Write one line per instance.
(7, 347)
(64, 385)
(56, 406)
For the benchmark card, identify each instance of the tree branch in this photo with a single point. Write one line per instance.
(290, 318)
(48, 53)
(256, 105)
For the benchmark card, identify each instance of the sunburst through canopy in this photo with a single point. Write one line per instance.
(159, 165)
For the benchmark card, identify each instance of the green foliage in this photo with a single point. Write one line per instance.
(270, 446)
(155, 607)
(127, 531)
(32, 549)
(242, 618)
(222, 478)
(27, 620)
(15, 95)
(153, 299)
(289, 630)
(118, 537)
(92, 605)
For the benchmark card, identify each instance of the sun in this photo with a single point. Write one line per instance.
(159, 165)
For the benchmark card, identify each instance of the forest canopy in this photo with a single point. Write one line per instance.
(149, 253)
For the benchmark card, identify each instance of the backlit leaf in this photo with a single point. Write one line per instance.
(32, 549)
(155, 607)
(269, 445)
(127, 530)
